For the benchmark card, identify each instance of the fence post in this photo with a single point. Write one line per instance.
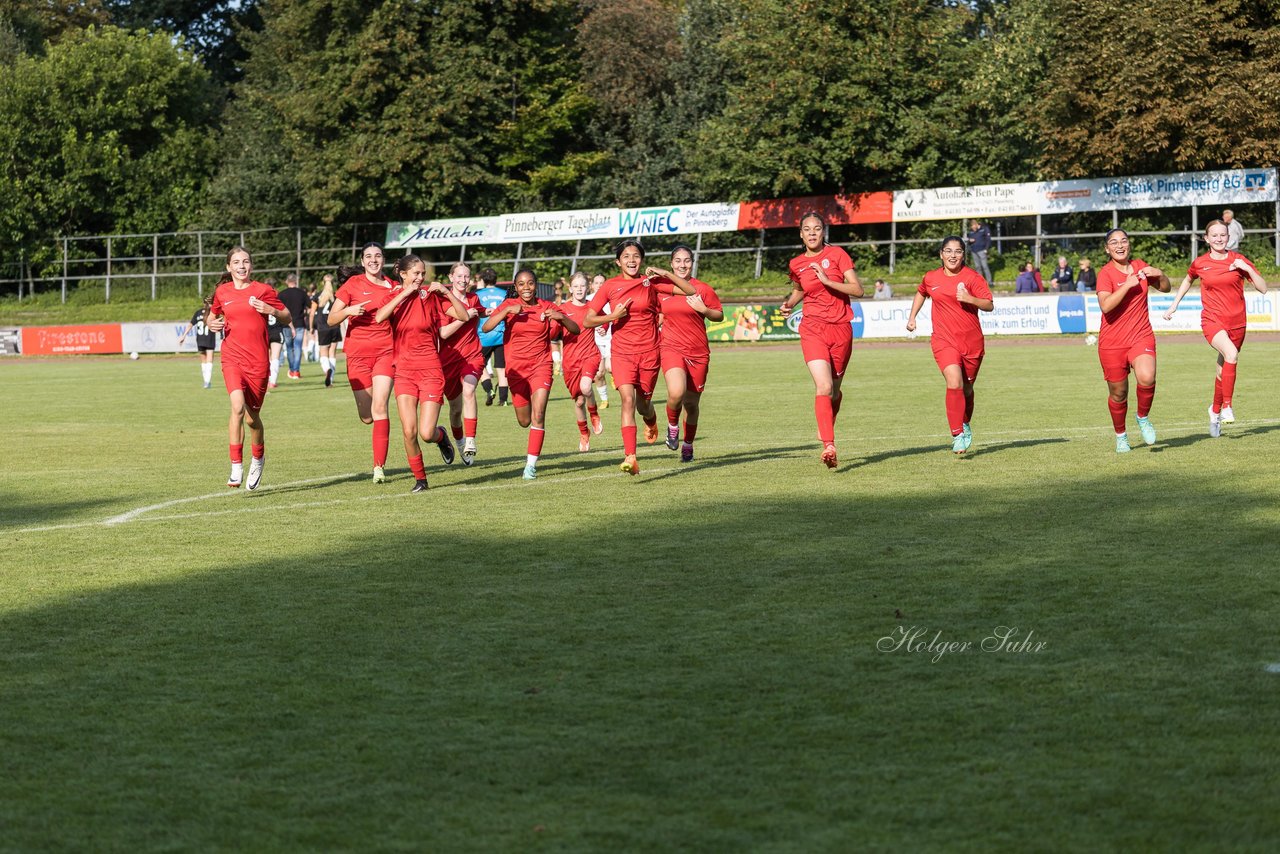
(515, 268)
(200, 264)
(1278, 232)
(21, 263)
(155, 263)
(760, 255)
(1115, 218)
(64, 271)
(893, 245)
(1039, 231)
(697, 250)
(577, 250)
(107, 295)
(1195, 231)
(297, 269)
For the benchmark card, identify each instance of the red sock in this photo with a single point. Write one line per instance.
(1217, 394)
(1119, 413)
(955, 410)
(673, 416)
(826, 419)
(237, 453)
(1147, 393)
(592, 410)
(457, 431)
(968, 407)
(441, 436)
(629, 440)
(836, 400)
(582, 428)
(469, 427)
(381, 441)
(1228, 382)
(257, 451)
(690, 430)
(418, 469)
(536, 435)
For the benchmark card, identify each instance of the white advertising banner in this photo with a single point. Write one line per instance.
(558, 225)
(677, 219)
(157, 337)
(442, 232)
(1263, 311)
(1047, 314)
(1173, 189)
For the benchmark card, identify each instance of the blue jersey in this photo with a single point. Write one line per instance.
(491, 298)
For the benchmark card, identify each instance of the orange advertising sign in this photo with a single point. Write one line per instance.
(60, 340)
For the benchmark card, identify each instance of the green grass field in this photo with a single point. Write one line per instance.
(691, 659)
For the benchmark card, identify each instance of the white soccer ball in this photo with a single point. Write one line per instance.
(1090, 340)
(133, 356)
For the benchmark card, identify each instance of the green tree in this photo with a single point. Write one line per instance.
(209, 28)
(109, 133)
(25, 25)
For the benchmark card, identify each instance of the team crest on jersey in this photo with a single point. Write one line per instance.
(826, 262)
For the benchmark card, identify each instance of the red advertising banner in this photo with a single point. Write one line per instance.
(838, 210)
(59, 340)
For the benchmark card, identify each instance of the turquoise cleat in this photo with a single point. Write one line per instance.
(1148, 430)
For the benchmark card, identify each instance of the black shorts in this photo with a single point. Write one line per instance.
(273, 335)
(499, 360)
(329, 335)
(205, 343)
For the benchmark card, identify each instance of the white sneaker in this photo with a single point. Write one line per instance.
(379, 476)
(469, 451)
(1228, 417)
(237, 475)
(1215, 423)
(256, 465)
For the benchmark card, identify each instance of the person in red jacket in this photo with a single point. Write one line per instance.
(531, 323)
(1223, 317)
(958, 294)
(239, 310)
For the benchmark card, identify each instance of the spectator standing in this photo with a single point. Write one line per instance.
(883, 291)
(1235, 231)
(979, 240)
(1026, 281)
(1086, 279)
(1063, 279)
(296, 300)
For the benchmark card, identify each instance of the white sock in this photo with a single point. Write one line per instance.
(206, 371)
(275, 371)
(237, 471)
(602, 392)
(531, 460)
(555, 356)
(324, 364)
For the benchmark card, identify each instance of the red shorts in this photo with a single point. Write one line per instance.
(1236, 335)
(1118, 361)
(362, 369)
(640, 371)
(827, 342)
(456, 370)
(524, 380)
(970, 363)
(253, 386)
(695, 367)
(425, 383)
(587, 367)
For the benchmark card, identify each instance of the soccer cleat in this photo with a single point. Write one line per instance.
(968, 434)
(584, 443)
(604, 403)
(1215, 424)
(237, 474)
(488, 399)
(651, 432)
(256, 465)
(686, 452)
(829, 455)
(673, 437)
(419, 486)
(1122, 443)
(1227, 416)
(1148, 430)
(208, 385)
(630, 465)
(469, 451)
(328, 378)
(379, 476)
(596, 426)
(446, 451)
(959, 443)
(530, 471)
(271, 385)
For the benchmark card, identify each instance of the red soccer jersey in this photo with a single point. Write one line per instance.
(637, 332)
(583, 344)
(365, 337)
(683, 329)
(955, 324)
(821, 302)
(1128, 323)
(244, 339)
(464, 343)
(526, 339)
(1221, 290)
(416, 326)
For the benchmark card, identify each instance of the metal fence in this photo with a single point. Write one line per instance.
(137, 267)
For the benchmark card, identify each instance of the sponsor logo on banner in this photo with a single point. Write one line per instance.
(859, 322)
(61, 340)
(961, 202)
(558, 225)
(441, 232)
(1071, 313)
(682, 219)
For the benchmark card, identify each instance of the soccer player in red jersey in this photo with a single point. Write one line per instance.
(1222, 314)
(581, 362)
(415, 312)
(239, 311)
(463, 358)
(1126, 341)
(958, 293)
(686, 356)
(823, 276)
(635, 355)
(369, 347)
(526, 341)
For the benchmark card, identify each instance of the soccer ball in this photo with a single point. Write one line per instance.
(1090, 340)
(133, 356)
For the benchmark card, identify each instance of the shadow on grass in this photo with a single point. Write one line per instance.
(710, 679)
(26, 511)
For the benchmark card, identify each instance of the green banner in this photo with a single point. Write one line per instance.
(751, 323)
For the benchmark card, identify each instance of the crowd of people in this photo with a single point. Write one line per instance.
(432, 342)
